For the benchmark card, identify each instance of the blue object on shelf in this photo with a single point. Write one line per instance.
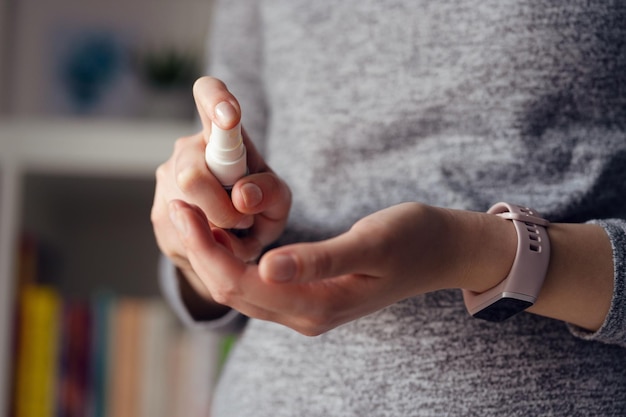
(91, 65)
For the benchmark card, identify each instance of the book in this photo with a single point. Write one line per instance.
(159, 333)
(125, 350)
(102, 307)
(35, 385)
(200, 368)
(74, 363)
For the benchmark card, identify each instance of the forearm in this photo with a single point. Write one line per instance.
(578, 286)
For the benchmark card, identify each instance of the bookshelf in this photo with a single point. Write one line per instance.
(86, 186)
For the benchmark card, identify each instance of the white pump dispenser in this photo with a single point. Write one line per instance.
(226, 155)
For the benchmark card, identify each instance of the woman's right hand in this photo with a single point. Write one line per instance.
(260, 201)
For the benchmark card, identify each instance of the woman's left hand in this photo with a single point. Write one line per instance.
(391, 255)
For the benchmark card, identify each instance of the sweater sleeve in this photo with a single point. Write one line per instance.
(232, 322)
(613, 330)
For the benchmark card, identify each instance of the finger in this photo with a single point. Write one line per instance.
(246, 248)
(349, 253)
(203, 249)
(199, 187)
(221, 237)
(166, 235)
(224, 276)
(215, 104)
(263, 193)
(268, 196)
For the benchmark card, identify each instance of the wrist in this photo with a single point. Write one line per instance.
(199, 305)
(521, 286)
(484, 247)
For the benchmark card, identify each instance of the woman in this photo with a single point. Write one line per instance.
(390, 127)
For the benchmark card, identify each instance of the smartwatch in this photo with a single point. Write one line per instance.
(520, 288)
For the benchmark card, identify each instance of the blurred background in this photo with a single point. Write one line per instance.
(93, 94)
(97, 57)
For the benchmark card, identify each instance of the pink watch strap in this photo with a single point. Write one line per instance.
(520, 288)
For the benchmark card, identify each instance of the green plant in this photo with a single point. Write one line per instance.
(169, 68)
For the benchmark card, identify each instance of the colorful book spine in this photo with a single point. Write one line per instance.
(109, 357)
(103, 305)
(159, 333)
(200, 369)
(35, 394)
(74, 371)
(125, 354)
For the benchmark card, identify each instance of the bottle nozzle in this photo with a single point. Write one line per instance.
(226, 154)
(225, 139)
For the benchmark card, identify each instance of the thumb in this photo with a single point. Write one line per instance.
(308, 262)
(215, 104)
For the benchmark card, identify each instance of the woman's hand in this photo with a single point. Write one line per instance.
(393, 254)
(260, 201)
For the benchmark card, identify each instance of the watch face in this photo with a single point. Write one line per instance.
(502, 309)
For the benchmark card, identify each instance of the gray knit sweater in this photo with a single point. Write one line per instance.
(361, 104)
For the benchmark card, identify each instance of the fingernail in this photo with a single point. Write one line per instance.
(252, 194)
(245, 223)
(283, 268)
(178, 220)
(226, 114)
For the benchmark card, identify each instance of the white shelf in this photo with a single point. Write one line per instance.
(76, 179)
(108, 147)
